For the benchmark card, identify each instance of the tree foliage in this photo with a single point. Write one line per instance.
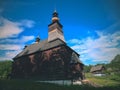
(87, 68)
(5, 69)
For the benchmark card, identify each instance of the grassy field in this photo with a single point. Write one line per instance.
(105, 82)
(32, 85)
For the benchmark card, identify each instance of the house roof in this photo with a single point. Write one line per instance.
(45, 45)
(96, 68)
(41, 46)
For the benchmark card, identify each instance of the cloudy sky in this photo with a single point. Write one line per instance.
(91, 27)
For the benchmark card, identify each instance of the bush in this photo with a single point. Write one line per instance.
(115, 77)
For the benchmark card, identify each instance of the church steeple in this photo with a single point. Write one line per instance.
(55, 28)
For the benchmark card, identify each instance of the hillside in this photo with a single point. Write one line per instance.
(116, 59)
(115, 64)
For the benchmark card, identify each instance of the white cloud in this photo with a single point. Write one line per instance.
(5, 58)
(27, 38)
(75, 41)
(99, 50)
(9, 55)
(27, 23)
(9, 28)
(10, 47)
(9, 51)
(21, 40)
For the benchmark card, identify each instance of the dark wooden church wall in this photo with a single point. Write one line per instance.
(53, 63)
(50, 64)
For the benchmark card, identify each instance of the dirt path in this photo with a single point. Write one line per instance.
(86, 81)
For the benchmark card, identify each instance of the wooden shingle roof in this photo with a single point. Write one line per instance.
(96, 68)
(41, 46)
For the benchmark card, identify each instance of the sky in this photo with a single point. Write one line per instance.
(91, 27)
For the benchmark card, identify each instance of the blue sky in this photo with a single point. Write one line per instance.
(91, 27)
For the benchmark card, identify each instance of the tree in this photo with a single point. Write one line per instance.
(5, 69)
(87, 68)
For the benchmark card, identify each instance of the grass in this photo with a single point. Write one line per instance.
(103, 81)
(106, 82)
(32, 85)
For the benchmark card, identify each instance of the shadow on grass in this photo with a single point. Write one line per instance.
(32, 85)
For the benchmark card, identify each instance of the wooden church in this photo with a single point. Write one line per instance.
(49, 59)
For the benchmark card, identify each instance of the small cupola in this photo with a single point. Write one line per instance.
(55, 17)
(37, 39)
(25, 47)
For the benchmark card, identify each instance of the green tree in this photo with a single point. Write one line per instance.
(87, 68)
(5, 69)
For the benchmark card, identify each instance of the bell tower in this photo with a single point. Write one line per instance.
(55, 29)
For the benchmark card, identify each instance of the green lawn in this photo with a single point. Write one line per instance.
(32, 85)
(104, 80)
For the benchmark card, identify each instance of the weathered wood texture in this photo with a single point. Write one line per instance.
(47, 65)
